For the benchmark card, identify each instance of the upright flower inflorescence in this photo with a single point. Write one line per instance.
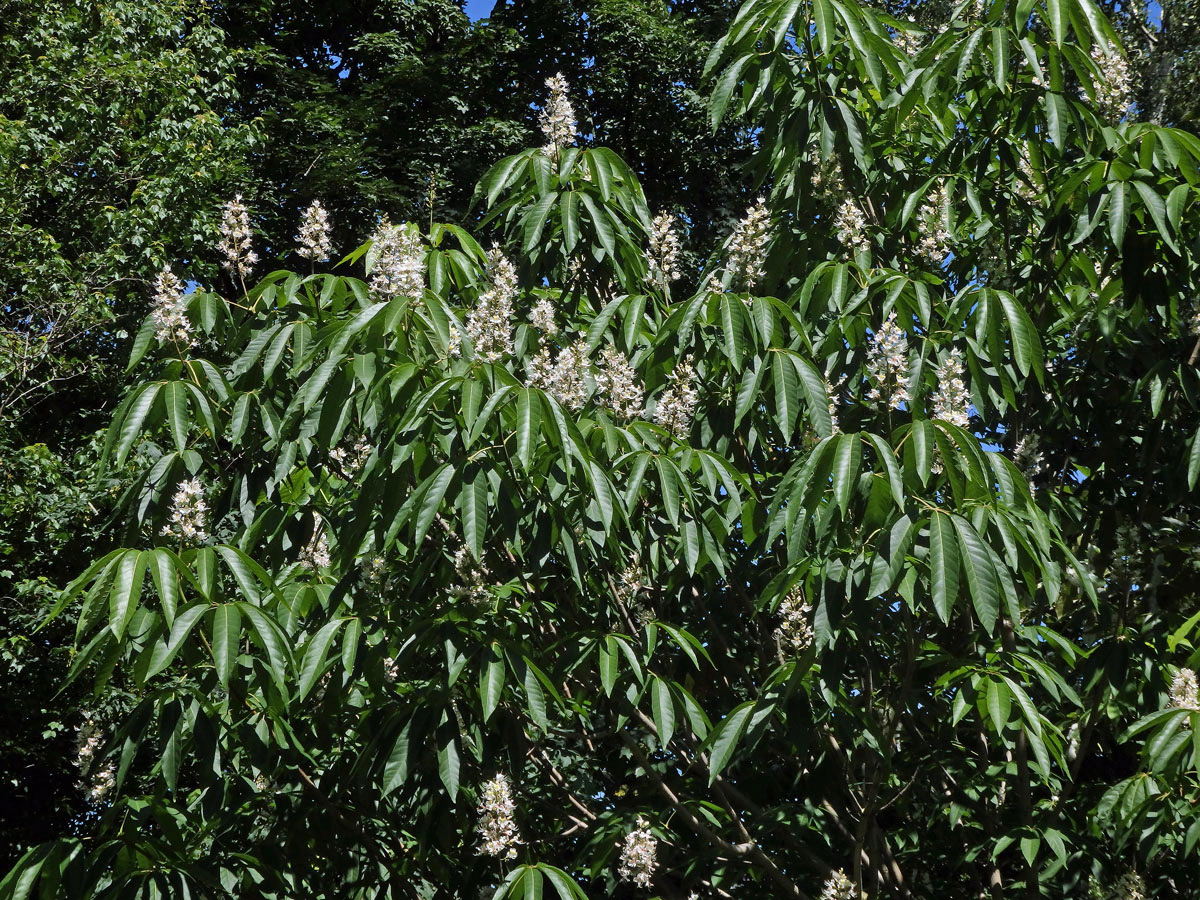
(563, 377)
(557, 119)
(677, 404)
(472, 587)
(1184, 691)
(314, 240)
(934, 242)
(617, 384)
(400, 264)
(236, 238)
(795, 634)
(1129, 887)
(748, 246)
(498, 833)
(170, 310)
(541, 317)
(638, 855)
(850, 226)
(95, 781)
(1114, 91)
(887, 363)
(489, 324)
(951, 401)
(664, 250)
(839, 887)
(188, 521)
(315, 554)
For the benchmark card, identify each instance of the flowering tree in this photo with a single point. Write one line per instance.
(493, 570)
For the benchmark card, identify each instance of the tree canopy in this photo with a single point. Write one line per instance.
(574, 535)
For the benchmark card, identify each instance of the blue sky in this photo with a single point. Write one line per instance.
(478, 9)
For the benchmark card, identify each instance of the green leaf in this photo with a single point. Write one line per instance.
(529, 419)
(312, 663)
(663, 708)
(449, 766)
(725, 739)
(999, 703)
(126, 590)
(981, 573)
(491, 682)
(943, 564)
(227, 632)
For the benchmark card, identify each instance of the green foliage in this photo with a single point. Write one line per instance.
(811, 617)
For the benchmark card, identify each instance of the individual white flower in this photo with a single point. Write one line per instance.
(188, 520)
(489, 324)
(1183, 690)
(638, 855)
(617, 384)
(541, 317)
(664, 250)
(562, 378)
(747, 248)
(839, 887)
(677, 404)
(557, 118)
(795, 634)
(315, 555)
(887, 363)
(1129, 887)
(1114, 91)
(951, 401)
(399, 269)
(169, 311)
(497, 826)
(934, 243)
(314, 240)
(850, 225)
(236, 238)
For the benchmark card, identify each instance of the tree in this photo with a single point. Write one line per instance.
(470, 571)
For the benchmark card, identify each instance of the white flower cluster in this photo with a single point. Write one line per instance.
(541, 316)
(96, 782)
(664, 250)
(828, 184)
(748, 246)
(795, 634)
(934, 244)
(714, 284)
(832, 393)
(473, 584)
(1129, 887)
(839, 887)
(351, 459)
(1028, 457)
(951, 400)
(391, 670)
(638, 855)
(374, 571)
(1114, 92)
(1026, 185)
(314, 240)
(850, 225)
(489, 324)
(400, 265)
(617, 384)
(563, 377)
(557, 119)
(236, 238)
(315, 554)
(497, 826)
(170, 310)
(188, 521)
(887, 363)
(677, 404)
(1183, 690)
(909, 43)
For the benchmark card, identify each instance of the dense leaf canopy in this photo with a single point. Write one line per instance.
(865, 543)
